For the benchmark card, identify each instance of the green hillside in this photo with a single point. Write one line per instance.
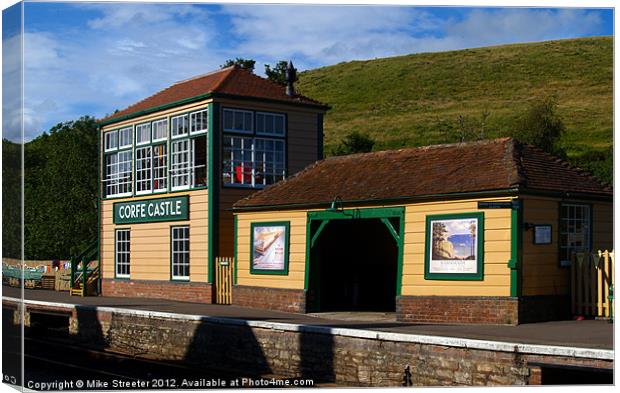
(408, 100)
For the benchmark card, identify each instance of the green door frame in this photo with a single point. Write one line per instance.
(382, 213)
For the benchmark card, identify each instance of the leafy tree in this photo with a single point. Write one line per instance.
(247, 64)
(278, 72)
(541, 126)
(600, 163)
(11, 199)
(61, 190)
(354, 142)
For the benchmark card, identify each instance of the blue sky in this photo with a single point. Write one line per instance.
(93, 58)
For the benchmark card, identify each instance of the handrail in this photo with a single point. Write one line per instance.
(86, 256)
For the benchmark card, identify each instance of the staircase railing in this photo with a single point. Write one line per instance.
(81, 277)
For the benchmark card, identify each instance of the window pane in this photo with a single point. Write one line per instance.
(122, 252)
(111, 140)
(160, 167)
(143, 133)
(180, 164)
(199, 154)
(237, 120)
(143, 169)
(199, 121)
(180, 125)
(574, 230)
(180, 252)
(160, 129)
(125, 137)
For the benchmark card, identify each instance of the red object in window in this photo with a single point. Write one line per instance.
(155, 184)
(241, 177)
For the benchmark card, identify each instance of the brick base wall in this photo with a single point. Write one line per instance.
(182, 291)
(290, 300)
(458, 309)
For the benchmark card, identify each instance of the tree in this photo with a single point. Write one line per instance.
(278, 73)
(541, 126)
(247, 64)
(11, 199)
(354, 142)
(61, 189)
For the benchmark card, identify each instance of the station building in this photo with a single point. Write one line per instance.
(173, 164)
(478, 232)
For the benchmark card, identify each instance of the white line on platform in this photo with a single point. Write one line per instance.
(553, 350)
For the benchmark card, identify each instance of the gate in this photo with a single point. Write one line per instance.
(223, 279)
(592, 283)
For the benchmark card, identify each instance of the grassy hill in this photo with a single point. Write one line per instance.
(408, 100)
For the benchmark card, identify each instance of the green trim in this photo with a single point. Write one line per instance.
(351, 214)
(235, 247)
(390, 228)
(355, 213)
(99, 191)
(398, 200)
(188, 279)
(318, 232)
(201, 97)
(213, 181)
(516, 247)
(479, 275)
(287, 237)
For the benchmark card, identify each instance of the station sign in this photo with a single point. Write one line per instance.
(152, 210)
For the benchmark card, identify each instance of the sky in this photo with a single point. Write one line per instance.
(92, 58)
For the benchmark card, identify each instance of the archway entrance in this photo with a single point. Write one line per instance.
(355, 259)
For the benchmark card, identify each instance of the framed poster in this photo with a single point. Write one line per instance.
(269, 242)
(542, 234)
(454, 247)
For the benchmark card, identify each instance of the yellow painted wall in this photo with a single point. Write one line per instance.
(496, 280)
(297, 250)
(542, 274)
(497, 251)
(150, 242)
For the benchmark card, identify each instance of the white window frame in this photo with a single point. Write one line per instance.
(586, 220)
(128, 131)
(125, 252)
(172, 128)
(138, 129)
(105, 140)
(257, 159)
(174, 166)
(274, 133)
(191, 122)
(239, 131)
(120, 183)
(164, 167)
(253, 160)
(154, 124)
(149, 171)
(184, 251)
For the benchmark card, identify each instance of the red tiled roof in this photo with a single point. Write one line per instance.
(491, 165)
(232, 80)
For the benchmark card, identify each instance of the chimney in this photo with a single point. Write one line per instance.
(291, 77)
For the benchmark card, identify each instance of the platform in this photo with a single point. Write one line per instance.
(587, 334)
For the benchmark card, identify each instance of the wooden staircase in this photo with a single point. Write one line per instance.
(85, 272)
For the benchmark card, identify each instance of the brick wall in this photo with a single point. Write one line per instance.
(173, 290)
(290, 300)
(457, 309)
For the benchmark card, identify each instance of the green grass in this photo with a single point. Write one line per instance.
(402, 101)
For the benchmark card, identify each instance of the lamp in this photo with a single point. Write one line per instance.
(334, 206)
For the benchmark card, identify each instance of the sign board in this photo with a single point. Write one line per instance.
(542, 234)
(152, 210)
(494, 205)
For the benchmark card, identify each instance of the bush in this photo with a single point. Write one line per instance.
(354, 142)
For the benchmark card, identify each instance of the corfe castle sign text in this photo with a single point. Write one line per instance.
(151, 210)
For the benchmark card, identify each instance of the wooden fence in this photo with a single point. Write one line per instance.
(223, 279)
(592, 279)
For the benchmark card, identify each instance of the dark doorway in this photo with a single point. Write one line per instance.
(354, 266)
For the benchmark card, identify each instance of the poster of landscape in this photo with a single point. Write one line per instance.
(454, 247)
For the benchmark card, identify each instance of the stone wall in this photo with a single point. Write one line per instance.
(289, 300)
(326, 355)
(173, 290)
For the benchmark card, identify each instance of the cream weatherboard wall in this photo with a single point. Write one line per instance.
(497, 234)
(150, 242)
(497, 226)
(297, 250)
